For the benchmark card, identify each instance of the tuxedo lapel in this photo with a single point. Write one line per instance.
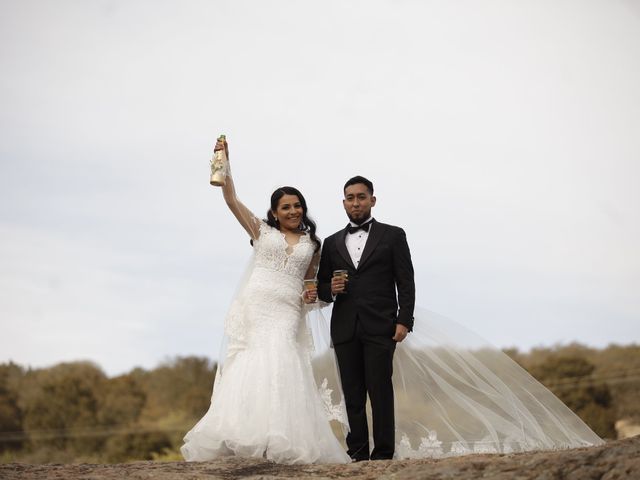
(342, 247)
(376, 232)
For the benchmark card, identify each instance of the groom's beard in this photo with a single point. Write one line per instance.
(361, 220)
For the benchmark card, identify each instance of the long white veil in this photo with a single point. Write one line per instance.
(457, 394)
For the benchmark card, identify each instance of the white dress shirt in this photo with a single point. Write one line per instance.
(356, 242)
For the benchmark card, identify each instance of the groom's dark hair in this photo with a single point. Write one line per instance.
(359, 179)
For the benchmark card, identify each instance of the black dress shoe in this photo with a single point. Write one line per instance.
(359, 454)
(381, 455)
(359, 459)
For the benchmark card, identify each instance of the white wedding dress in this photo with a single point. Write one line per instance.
(265, 401)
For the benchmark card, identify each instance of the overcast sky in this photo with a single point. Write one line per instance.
(504, 136)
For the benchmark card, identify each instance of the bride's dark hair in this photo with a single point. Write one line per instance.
(306, 225)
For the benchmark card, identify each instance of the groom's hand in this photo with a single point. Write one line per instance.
(401, 332)
(338, 285)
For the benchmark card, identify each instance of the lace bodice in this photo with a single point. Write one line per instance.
(272, 252)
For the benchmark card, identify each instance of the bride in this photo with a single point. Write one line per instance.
(277, 390)
(265, 402)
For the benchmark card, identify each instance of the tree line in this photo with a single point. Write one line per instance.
(73, 412)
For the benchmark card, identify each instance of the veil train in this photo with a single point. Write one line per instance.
(456, 394)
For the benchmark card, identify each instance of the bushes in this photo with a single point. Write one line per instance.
(569, 377)
(74, 412)
(62, 407)
(10, 413)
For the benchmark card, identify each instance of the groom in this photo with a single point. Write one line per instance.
(368, 317)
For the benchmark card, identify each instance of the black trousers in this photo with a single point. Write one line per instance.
(366, 367)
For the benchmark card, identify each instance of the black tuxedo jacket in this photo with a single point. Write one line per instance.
(371, 297)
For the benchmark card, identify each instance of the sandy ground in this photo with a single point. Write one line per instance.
(615, 460)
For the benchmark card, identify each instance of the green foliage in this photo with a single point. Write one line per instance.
(65, 402)
(183, 384)
(137, 445)
(558, 367)
(167, 455)
(121, 402)
(10, 413)
(73, 412)
(570, 377)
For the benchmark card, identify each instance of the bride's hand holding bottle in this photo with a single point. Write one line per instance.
(221, 177)
(220, 162)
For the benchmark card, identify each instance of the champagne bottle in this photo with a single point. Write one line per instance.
(219, 164)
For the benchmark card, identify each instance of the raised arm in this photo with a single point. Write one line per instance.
(247, 219)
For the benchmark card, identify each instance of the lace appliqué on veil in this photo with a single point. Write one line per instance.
(333, 411)
(430, 447)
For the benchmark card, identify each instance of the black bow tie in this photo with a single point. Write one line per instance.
(364, 226)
